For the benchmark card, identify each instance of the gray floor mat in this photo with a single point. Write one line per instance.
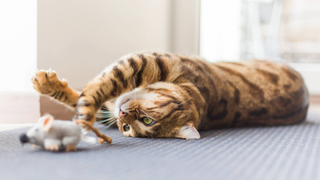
(287, 152)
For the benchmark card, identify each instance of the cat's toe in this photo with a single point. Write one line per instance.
(52, 75)
(34, 80)
(38, 80)
(45, 82)
(64, 82)
(49, 71)
(41, 77)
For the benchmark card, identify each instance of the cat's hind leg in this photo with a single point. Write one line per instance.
(48, 83)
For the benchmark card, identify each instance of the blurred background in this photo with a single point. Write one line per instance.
(79, 38)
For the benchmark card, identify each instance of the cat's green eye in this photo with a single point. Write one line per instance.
(148, 121)
(126, 127)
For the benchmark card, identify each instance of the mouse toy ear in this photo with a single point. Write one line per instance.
(188, 131)
(41, 120)
(46, 122)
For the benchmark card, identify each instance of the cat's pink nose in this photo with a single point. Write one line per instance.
(122, 114)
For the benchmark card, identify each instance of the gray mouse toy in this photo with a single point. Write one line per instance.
(54, 135)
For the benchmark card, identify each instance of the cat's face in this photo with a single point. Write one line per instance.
(160, 110)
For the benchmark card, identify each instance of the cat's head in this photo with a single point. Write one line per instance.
(160, 110)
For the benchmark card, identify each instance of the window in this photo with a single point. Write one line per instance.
(18, 44)
(279, 30)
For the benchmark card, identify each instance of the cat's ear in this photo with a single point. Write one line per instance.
(188, 131)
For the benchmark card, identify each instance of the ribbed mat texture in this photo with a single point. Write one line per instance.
(255, 153)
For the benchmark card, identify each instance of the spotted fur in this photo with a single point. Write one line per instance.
(185, 94)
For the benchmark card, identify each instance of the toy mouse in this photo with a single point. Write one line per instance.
(54, 135)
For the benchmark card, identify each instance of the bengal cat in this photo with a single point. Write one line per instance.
(167, 95)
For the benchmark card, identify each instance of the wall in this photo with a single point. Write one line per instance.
(185, 26)
(79, 38)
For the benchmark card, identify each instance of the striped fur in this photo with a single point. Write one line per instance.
(177, 90)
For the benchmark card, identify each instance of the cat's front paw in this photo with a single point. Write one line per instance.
(86, 110)
(47, 82)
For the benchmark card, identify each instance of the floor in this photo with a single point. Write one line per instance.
(263, 153)
(277, 153)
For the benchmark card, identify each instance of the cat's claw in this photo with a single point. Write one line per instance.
(49, 71)
(64, 82)
(47, 82)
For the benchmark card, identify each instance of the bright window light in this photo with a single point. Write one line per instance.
(18, 44)
(220, 31)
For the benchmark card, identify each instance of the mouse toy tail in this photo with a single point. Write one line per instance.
(102, 137)
(90, 140)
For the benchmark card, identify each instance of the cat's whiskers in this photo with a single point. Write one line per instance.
(130, 85)
(104, 117)
(147, 92)
(134, 82)
(107, 122)
(147, 89)
(110, 122)
(148, 84)
(164, 93)
(109, 119)
(149, 103)
(184, 101)
(141, 99)
(104, 112)
(109, 125)
(145, 113)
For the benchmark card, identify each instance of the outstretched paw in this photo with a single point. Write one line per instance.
(47, 82)
(86, 109)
